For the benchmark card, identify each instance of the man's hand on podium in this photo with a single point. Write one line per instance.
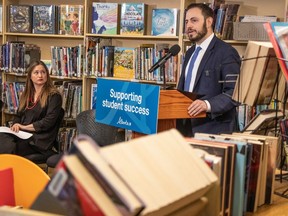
(197, 107)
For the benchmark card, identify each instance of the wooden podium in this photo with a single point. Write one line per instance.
(173, 105)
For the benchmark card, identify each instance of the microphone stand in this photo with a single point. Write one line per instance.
(162, 71)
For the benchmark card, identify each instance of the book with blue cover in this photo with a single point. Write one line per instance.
(164, 21)
(104, 18)
(132, 21)
(44, 19)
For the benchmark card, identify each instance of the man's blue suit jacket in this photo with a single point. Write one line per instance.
(221, 62)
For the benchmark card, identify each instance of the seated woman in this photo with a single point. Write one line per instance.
(39, 113)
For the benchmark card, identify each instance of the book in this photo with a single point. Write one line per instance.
(247, 69)
(280, 90)
(21, 134)
(268, 79)
(164, 21)
(71, 19)
(272, 144)
(116, 189)
(108, 61)
(93, 95)
(94, 56)
(91, 187)
(220, 150)
(7, 187)
(48, 63)
(20, 18)
(262, 79)
(220, 15)
(104, 18)
(124, 63)
(238, 180)
(32, 53)
(132, 19)
(230, 17)
(255, 171)
(44, 19)
(73, 194)
(280, 30)
(143, 163)
(276, 46)
(215, 4)
(6, 210)
(264, 122)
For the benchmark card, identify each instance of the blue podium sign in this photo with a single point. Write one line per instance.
(129, 105)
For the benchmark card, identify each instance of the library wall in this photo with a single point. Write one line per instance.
(46, 41)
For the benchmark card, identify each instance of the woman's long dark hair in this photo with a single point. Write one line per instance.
(29, 90)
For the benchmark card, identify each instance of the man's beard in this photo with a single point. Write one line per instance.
(200, 35)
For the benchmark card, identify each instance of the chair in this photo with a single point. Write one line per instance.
(102, 134)
(40, 158)
(53, 160)
(29, 179)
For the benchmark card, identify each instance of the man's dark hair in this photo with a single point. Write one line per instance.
(205, 9)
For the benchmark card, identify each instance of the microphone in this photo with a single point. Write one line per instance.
(174, 50)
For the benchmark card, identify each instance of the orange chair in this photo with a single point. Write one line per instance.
(29, 179)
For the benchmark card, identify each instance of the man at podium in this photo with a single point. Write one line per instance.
(210, 68)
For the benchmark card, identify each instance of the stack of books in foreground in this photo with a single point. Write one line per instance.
(245, 164)
(153, 175)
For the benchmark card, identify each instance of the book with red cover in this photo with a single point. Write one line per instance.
(67, 196)
(7, 195)
(277, 49)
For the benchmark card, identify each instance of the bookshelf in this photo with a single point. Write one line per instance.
(45, 41)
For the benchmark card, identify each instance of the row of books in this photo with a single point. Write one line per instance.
(257, 81)
(98, 58)
(226, 14)
(131, 20)
(245, 164)
(11, 92)
(16, 56)
(138, 177)
(103, 59)
(106, 19)
(71, 97)
(71, 94)
(67, 61)
(246, 113)
(66, 135)
(46, 19)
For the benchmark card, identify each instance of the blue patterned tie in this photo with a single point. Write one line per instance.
(190, 68)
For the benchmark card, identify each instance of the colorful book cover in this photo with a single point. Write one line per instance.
(280, 30)
(20, 18)
(164, 21)
(71, 19)
(124, 62)
(276, 46)
(44, 19)
(104, 18)
(72, 197)
(132, 19)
